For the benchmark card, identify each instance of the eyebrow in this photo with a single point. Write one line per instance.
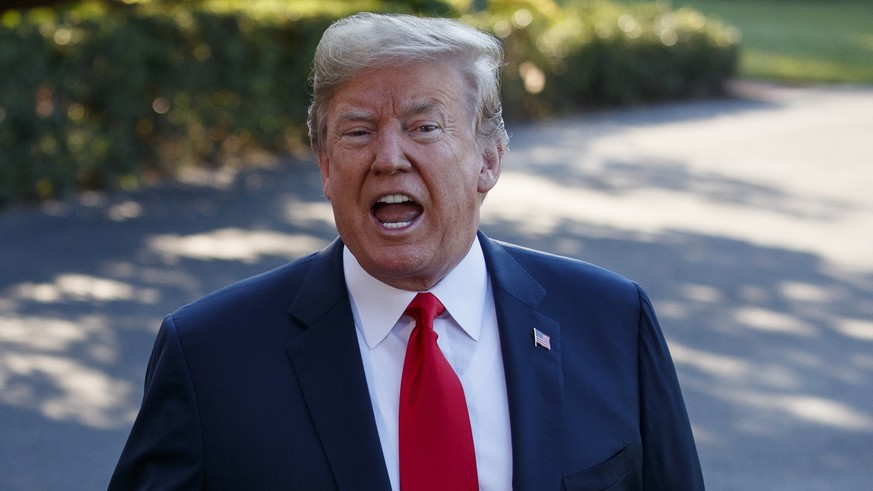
(410, 109)
(425, 106)
(354, 115)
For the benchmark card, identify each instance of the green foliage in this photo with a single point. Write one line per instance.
(599, 53)
(107, 94)
(95, 99)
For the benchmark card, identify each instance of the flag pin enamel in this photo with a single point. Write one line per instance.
(541, 339)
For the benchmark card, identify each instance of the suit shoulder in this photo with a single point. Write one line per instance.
(253, 297)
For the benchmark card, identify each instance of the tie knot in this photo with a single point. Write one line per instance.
(424, 308)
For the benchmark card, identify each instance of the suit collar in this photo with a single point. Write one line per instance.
(323, 287)
(534, 381)
(327, 361)
(378, 306)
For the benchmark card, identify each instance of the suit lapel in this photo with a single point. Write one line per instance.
(327, 361)
(533, 374)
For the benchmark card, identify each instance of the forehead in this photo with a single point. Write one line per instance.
(412, 88)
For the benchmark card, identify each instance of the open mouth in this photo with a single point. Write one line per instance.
(396, 211)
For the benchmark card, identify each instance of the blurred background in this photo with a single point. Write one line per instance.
(716, 151)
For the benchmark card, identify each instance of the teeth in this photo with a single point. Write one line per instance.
(395, 225)
(394, 198)
(391, 199)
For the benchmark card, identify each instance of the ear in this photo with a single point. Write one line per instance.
(324, 166)
(492, 158)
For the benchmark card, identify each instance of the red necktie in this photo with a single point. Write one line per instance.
(436, 443)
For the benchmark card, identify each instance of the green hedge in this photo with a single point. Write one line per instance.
(106, 100)
(595, 53)
(97, 97)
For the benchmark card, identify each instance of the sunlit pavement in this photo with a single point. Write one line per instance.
(749, 221)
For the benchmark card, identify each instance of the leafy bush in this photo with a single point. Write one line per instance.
(107, 95)
(96, 99)
(598, 53)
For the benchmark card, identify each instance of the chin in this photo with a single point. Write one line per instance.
(400, 271)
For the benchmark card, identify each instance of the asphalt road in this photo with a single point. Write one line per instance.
(748, 220)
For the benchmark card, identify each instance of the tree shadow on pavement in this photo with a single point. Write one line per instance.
(772, 339)
(83, 289)
(772, 343)
(772, 346)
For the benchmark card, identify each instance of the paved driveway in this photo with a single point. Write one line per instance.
(749, 221)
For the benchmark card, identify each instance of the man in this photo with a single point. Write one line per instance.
(548, 373)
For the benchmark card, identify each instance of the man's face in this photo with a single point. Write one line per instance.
(403, 171)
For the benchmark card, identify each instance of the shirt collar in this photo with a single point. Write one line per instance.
(377, 307)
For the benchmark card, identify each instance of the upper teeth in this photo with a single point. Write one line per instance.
(394, 198)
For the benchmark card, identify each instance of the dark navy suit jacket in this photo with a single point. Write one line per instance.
(260, 385)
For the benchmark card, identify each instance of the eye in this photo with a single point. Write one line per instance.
(427, 128)
(354, 136)
(425, 131)
(355, 133)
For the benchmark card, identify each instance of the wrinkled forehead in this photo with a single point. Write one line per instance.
(428, 87)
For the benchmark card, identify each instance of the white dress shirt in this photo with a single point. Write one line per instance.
(468, 338)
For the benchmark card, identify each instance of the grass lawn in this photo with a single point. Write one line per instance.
(799, 41)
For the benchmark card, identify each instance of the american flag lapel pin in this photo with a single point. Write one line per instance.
(541, 339)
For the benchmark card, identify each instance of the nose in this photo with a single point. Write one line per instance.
(389, 157)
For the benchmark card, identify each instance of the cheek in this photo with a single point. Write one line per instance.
(343, 185)
(459, 189)
(334, 176)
